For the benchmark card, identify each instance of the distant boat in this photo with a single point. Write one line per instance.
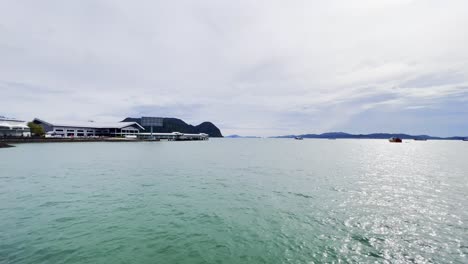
(331, 138)
(465, 139)
(298, 138)
(420, 139)
(395, 140)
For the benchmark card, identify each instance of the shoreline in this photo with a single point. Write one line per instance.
(62, 140)
(7, 141)
(5, 145)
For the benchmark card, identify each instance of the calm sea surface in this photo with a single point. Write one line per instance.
(235, 201)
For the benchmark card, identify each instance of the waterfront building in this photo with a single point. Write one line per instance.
(89, 129)
(10, 127)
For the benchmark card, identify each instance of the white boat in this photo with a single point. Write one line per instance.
(298, 138)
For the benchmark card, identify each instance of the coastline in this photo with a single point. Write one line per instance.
(7, 141)
(5, 145)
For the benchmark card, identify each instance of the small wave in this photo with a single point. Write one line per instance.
(51, 204)
(65, 219)
(301, 195)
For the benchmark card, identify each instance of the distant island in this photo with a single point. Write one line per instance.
(369, 136)
(177, 125)
(237, 136)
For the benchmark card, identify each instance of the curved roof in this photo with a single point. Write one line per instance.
(23, 126)
(3, 124)
(13, 126)
(2, 118)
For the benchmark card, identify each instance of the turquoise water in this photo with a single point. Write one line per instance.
(235, 201)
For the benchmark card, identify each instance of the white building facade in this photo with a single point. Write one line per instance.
(89, 129)
(10, 127)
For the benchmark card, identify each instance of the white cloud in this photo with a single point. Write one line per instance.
(252, 67)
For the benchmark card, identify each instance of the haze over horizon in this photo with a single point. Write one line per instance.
(253, 68)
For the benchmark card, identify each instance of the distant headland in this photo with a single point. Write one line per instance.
(337, 135)
(237, 136)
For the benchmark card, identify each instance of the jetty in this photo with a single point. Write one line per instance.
(174, 136)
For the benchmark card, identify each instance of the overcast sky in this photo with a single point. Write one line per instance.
(251, 67)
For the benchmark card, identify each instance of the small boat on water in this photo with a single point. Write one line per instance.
(298, 138)
(331, 138)
(420, 139)
(395, 140)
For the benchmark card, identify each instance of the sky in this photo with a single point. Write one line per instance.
(263, 67)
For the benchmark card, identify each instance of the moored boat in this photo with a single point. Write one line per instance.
(395, 140)
(298, 138)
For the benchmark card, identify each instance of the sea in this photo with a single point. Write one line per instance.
(235, 201)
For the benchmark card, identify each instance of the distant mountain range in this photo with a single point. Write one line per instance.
(369, 136)
(178, 125)
(237, 136)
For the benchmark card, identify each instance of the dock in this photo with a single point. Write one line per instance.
(174, 136)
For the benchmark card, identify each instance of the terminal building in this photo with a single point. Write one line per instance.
(114, 129)
(89, 129)
(10, 127)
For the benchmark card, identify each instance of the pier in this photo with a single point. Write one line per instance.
(174, 136)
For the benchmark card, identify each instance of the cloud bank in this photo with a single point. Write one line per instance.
(251, 67)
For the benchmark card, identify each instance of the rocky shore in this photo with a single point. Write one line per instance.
(5, 145)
